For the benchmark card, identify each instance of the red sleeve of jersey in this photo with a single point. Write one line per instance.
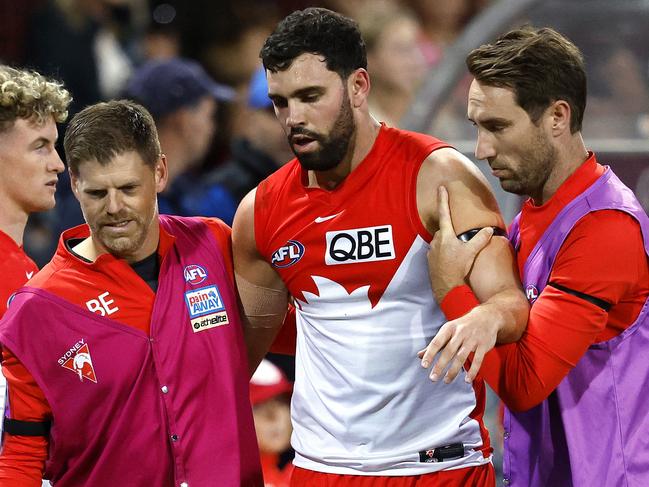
(604, 257)
(286, 340)
(561, 326)
(223, 235)
(22, 460)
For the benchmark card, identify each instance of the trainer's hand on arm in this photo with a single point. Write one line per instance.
(450, 259)
(486, 263)
(264, 298)
(449, 263)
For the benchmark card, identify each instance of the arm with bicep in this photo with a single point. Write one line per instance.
(463, 202)
(263, 295)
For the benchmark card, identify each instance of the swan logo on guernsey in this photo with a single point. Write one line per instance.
(206, 308)
(194, 274)
(288, 254)
(77, 359)
(359, 245)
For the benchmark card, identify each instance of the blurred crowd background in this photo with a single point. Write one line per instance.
(162, 51)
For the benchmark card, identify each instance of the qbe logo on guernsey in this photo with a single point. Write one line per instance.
(359, 245)
(206, 308)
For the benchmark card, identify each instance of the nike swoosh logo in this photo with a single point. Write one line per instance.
(321, 219)
(29, 274)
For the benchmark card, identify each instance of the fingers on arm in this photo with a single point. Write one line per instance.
(444, 212)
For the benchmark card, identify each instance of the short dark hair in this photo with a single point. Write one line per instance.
(317, 31)
(541, 66)
(104, 130)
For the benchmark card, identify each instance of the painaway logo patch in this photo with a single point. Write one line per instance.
(77, 359)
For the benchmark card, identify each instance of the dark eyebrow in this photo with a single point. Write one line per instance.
(493, 121)
(309, 90)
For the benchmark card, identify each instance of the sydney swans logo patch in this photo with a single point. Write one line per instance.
(77, 359)
(206, 308)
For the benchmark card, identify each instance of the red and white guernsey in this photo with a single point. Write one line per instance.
(354, 260)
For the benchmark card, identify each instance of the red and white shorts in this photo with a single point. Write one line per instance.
(482, 476)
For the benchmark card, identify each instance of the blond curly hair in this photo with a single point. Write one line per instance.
(29, 95)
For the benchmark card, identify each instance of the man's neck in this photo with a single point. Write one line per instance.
(366, 134)
(13, 221)
(568, 161)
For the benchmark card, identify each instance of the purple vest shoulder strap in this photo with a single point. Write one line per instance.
(608, 192)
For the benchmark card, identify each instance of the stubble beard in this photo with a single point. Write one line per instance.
(534, 168)
(335, 146)
(126, 245)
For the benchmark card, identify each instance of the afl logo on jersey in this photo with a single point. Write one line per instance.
(532, 293)
(195, 274)
(288, 254)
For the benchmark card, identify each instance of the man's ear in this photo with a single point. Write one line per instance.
(560, 114)
(358, 86)
(161, 173)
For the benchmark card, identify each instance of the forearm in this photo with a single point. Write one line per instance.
(258, 342)
(494, 280)
(510, 310)
(286, 340)
(560, 330)
(22, 461)
(263, 312)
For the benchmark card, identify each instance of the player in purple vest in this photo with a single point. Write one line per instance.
(574, 383)
(125, 356)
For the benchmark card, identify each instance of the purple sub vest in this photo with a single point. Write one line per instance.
(160, 410)
(593, 430)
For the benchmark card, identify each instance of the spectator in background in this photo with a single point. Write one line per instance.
(86, 43)
(258, 152)
(442, 22)
(183, 99)
(394, 58)
(270, 394)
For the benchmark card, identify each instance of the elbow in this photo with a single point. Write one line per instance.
(520, 406)
(516, 315)
(521, 402)
(520, 323)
